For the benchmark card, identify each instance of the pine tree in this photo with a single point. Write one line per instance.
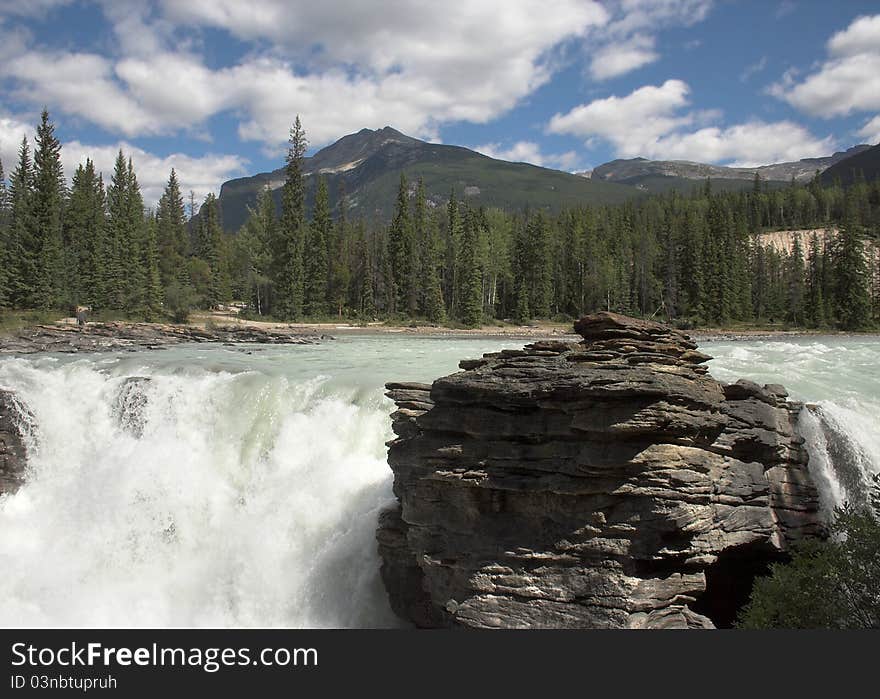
(851, 273)
(315, 256)
(339, 273)
(431, 293)
(261, 227)
(48, 204)
(288, 249)
(796, 283)
(400, 250)
(814, 305)
(172, 238)
(210, 251)
(22, 246)
(153, 290)
(471, 312)
(453, 240)
(118, 236)
(5, 258)
(84, 233)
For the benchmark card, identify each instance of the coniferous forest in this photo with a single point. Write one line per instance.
(693, 259)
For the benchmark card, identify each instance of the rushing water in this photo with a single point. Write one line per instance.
(239, 486)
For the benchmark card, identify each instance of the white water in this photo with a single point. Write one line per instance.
(240, 486)
(840, 378)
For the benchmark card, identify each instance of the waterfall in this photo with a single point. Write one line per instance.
(844, 453)
(193, 498)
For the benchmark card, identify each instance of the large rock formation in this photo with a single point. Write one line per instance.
(608, 483)
(13, 453)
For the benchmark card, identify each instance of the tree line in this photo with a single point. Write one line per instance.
(693, 259)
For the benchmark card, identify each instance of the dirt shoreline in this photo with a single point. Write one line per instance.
(65, 337)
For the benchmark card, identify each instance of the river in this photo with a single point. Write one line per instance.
(217, 486)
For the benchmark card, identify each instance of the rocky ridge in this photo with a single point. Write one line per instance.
(611, 483)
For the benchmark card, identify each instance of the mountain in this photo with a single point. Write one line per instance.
(662, 175)
(368, 164)
(866, 162)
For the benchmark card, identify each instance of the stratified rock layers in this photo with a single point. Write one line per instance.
(609, 483)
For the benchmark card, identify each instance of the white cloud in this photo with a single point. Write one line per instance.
(200, 174)
(619, 58)
(753, 69)
(871, 131)
(632, 123)
(341, 65)
(849, 79)
(653, 122)
(530, 152)
(628, 41)
(651, 15)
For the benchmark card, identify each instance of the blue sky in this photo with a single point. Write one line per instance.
(210, 86)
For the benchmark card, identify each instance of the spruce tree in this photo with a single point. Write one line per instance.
(119, 236)
(5, 258)
(471, 313)
(48, 205)
(400, 250)
(288, 248)
(315, 256)
(84, 233)
(153, 291)
(171, 234)
(22, 245)
(851, 273)
(814, 304)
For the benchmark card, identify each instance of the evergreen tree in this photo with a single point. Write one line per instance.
(339, 262)
(48, 204)
(814, 304)
(153, 289)
(796, 283)
(22, 242)
(210, 251)
(400, 250)
(851, 274)
(5, 258)
(471, 312)
(171, 234)
(289, 275)
(84, 237)
(319, 232)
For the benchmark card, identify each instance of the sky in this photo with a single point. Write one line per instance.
(210, 87)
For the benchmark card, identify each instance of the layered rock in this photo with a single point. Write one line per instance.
(608, 483)
(13, 453)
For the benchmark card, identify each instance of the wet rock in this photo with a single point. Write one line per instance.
(13, 451)
(611, 483)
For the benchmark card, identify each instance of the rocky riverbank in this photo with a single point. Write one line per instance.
(120, 336)
(608, 483)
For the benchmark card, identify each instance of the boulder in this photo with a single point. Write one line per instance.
(611, 483)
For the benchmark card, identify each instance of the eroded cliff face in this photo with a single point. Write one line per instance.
(13, 454)
(608, 483)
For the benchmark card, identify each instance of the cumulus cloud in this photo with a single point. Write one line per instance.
(654, 122)
(623, 57)
(530, 152)
(201, 174)
(847, 81)
(628, 41)
(341, 66)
